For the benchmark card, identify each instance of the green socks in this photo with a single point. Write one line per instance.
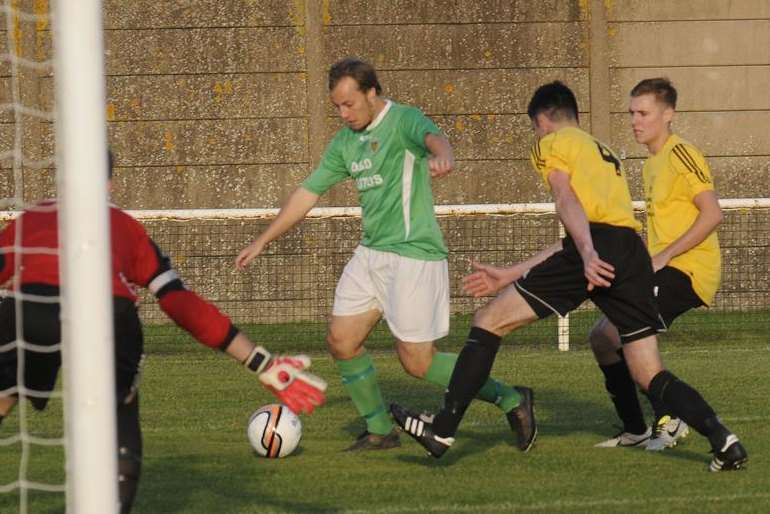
(440, 372)
(360, 381)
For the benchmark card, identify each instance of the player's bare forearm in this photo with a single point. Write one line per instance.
(294, 210)
(708, 219)
(571, 213)
(442, 159)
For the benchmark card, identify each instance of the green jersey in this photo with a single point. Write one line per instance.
(389, 163)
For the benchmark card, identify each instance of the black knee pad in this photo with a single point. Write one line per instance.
(129, 471)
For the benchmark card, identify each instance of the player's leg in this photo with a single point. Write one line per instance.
(674, 295)
(129, 451)
(8, 362)
(605, 343)
(415, 298)
(503, 314)
(356, 310)
(359, 377)
(630, 305)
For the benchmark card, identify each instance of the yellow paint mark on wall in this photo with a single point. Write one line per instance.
(300, 50)
(179, 169)
(16, 27)
(449, 88)
(297, 16)
(459, 125)
(110, 111)
(223, 88)
(476, 117)
(326, 16)
(487, 54)
(169, 141)
(583, 5)
(40, 8)
(179, 259)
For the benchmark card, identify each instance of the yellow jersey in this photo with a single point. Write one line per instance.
(596, 174)
(672, 179)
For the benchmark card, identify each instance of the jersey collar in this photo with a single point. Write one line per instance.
(376, 121)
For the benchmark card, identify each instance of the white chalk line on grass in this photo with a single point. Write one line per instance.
(557, 505)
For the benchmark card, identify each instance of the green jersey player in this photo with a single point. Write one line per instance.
(399, 271)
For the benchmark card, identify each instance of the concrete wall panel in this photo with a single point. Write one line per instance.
(460, 46)
(712, 88)
(502, 91)
(231, 96)
(715, 133)
(122, 14)
(654, 10)
(214, 50)
(248, 141)
(366, 12)
(191, 187)
(690, 43)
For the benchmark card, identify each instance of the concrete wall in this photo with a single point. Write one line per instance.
(223, 104)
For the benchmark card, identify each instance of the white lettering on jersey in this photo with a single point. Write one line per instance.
(359, 166)
(365, 183)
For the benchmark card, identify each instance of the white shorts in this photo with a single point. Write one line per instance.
(412, 294)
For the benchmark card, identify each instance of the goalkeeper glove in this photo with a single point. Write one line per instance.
(286, 378)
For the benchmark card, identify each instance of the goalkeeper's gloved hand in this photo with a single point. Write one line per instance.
(286, 378)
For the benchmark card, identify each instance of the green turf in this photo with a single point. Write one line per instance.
(195, 404)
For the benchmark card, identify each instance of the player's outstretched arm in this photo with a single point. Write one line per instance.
(708, 219)
(294, 210)
(570, 211)
(285, 376)
(442, 160)
(488, 280)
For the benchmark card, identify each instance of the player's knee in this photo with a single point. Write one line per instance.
(342, 348)
(415, 365)
(487, 318)
(129, 471)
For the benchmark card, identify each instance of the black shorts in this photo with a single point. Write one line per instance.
(42, 327)
(558, 284)
(674, 294)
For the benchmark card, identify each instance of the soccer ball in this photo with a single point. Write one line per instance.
(274, 431)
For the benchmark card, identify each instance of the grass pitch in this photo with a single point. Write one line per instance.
(195, 404)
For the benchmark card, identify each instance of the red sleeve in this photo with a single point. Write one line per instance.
(150, 267)
(200, 318)
(7, 238)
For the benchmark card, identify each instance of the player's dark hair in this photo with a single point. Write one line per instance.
(360, 71)
(661, 87)
(555, 100)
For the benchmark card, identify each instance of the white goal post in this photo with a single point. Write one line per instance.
(87, 327)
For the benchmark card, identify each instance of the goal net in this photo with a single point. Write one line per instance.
(85, 442)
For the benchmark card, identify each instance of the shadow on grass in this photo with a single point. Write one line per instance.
(187, 482)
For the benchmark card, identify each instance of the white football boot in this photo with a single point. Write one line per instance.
(666, 433)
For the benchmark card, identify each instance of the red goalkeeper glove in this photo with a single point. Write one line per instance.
(286, 378)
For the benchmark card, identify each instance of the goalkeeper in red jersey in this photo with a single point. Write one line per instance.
(136, 261)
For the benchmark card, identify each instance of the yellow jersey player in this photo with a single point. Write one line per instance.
(682, 216)
(602, 258)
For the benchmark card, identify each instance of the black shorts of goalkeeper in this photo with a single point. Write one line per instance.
(558, 285)
(42, 328)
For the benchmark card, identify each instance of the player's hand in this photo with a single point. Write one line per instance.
(659, 262)
(248, 254)
(487, 280)
(598, 272)
(298, 389)
(440, 166)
